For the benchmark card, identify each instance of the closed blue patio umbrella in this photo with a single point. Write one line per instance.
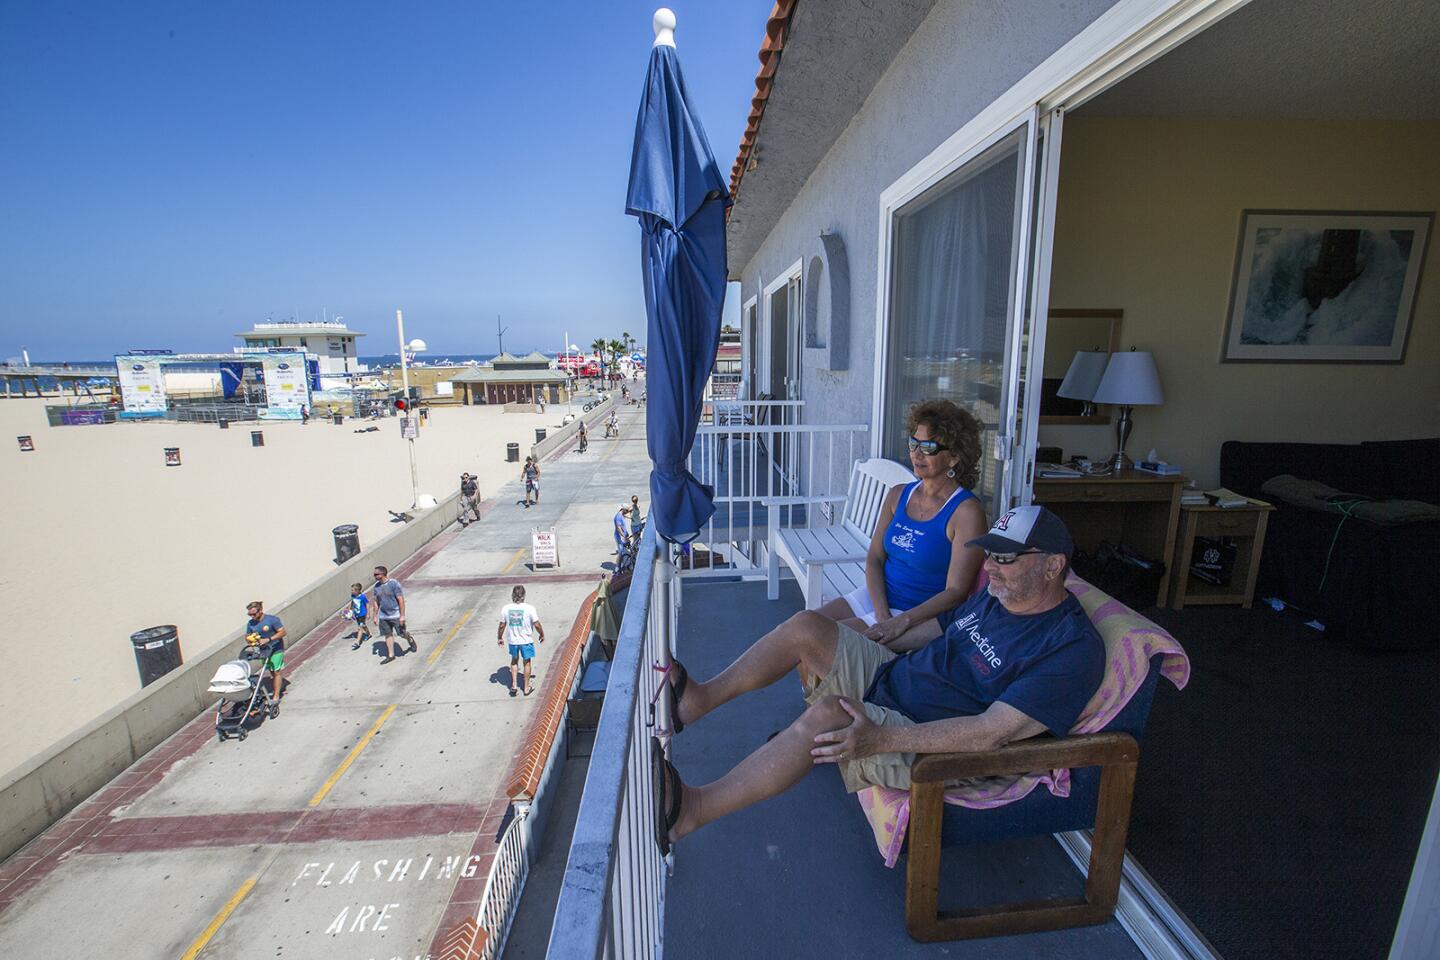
(679, 195)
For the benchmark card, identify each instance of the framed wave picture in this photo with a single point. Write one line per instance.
(1314, 286)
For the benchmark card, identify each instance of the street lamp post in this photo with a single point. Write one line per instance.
(417, 346)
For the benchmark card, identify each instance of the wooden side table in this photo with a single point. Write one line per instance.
(1132, 507)
(1243, 525)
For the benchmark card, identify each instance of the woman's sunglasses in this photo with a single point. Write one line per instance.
(927, 447)
(1005, 559)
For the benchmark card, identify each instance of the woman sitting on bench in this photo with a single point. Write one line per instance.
(918, 564)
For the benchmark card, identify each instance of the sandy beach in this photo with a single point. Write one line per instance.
(103, 539)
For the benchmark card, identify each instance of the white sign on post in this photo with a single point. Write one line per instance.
(544, 548)
(409, 427)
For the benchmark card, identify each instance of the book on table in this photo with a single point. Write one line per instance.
(1225, 499)
(1056, 471)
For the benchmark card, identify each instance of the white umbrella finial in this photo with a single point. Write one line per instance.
(664, 24)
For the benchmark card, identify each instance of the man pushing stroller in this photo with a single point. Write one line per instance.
(264, 630)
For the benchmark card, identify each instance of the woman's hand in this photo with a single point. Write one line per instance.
(886, 632)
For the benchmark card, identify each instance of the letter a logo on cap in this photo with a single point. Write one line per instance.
(1004, 522)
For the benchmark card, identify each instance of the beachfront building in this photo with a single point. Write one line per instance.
(954, 198)
(331, 343)
(511, 379)
(725, 379)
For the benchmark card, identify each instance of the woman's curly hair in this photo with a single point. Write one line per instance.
(956, 429)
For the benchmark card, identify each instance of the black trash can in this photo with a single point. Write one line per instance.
(347, 542)
(539, 434)
(512, 452)
(257, 438)
(339, 419)
(157, 652)
(224, 424)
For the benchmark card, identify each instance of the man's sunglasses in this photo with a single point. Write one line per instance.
(927, 447)
(1005, 559)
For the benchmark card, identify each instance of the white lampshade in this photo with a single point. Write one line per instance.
(416, 346)
(1084, 375)
(1130, 379)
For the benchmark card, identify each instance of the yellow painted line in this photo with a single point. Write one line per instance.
(513, 560)
(345, 764)
(219, 920)
(449, 636)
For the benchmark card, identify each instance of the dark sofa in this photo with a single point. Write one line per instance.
(1381, 581)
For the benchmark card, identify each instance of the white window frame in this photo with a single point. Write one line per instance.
(1122, 40)
(749, 308)
(794, 272)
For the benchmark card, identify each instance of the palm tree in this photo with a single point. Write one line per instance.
(616, 348)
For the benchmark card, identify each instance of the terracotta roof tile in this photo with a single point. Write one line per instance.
(776, 29)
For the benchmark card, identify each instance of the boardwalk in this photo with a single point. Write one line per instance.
(359, 823)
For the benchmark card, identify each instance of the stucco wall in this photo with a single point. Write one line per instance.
(959, 59)
(1148, 220)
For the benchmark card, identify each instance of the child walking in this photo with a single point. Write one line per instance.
(359, 612)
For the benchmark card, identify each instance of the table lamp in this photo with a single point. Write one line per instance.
(1083, 377)
(1130, 380)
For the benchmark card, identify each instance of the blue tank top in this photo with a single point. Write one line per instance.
(917, 552)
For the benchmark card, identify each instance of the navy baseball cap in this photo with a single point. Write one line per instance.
(1027, 528)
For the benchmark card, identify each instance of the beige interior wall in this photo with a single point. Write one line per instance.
(1148, 221)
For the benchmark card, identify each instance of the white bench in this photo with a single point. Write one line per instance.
(829, 562)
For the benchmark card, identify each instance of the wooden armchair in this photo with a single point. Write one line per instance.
(1102, 769)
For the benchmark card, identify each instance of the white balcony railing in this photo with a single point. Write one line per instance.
(756, 450)
(503, 886)
(612, 897)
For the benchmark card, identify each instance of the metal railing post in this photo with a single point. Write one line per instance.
(663, 639)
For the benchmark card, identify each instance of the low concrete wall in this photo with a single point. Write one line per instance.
(41, 791)
(556, 438)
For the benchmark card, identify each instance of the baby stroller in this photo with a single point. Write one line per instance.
(245, 700)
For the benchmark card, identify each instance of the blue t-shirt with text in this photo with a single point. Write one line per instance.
(360, 607)
(1046, 665)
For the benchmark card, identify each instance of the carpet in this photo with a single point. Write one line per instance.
(1280, 799)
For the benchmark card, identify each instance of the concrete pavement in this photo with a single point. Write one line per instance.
(360, 822)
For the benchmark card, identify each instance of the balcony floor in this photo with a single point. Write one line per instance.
(799, 875)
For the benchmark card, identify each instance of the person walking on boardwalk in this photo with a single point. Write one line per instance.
(519, 626)
(469, 499)
(584, 437)
(268, 631)
(531, 474)
(359, 612)
(390, 598)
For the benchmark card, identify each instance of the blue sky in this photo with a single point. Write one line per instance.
(171, 172)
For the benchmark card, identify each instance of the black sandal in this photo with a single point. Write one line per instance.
(666, 779)
(677, 682)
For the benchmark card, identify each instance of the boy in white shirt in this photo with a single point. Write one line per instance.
(519, 625)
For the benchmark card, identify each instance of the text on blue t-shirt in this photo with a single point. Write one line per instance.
(1046, 665)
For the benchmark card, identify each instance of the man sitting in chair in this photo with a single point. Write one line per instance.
(1013, 661)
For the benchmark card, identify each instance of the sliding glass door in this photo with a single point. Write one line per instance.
(959, 272)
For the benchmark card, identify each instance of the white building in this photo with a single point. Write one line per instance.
(332, 343)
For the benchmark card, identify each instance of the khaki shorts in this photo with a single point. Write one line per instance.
(856, 660)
